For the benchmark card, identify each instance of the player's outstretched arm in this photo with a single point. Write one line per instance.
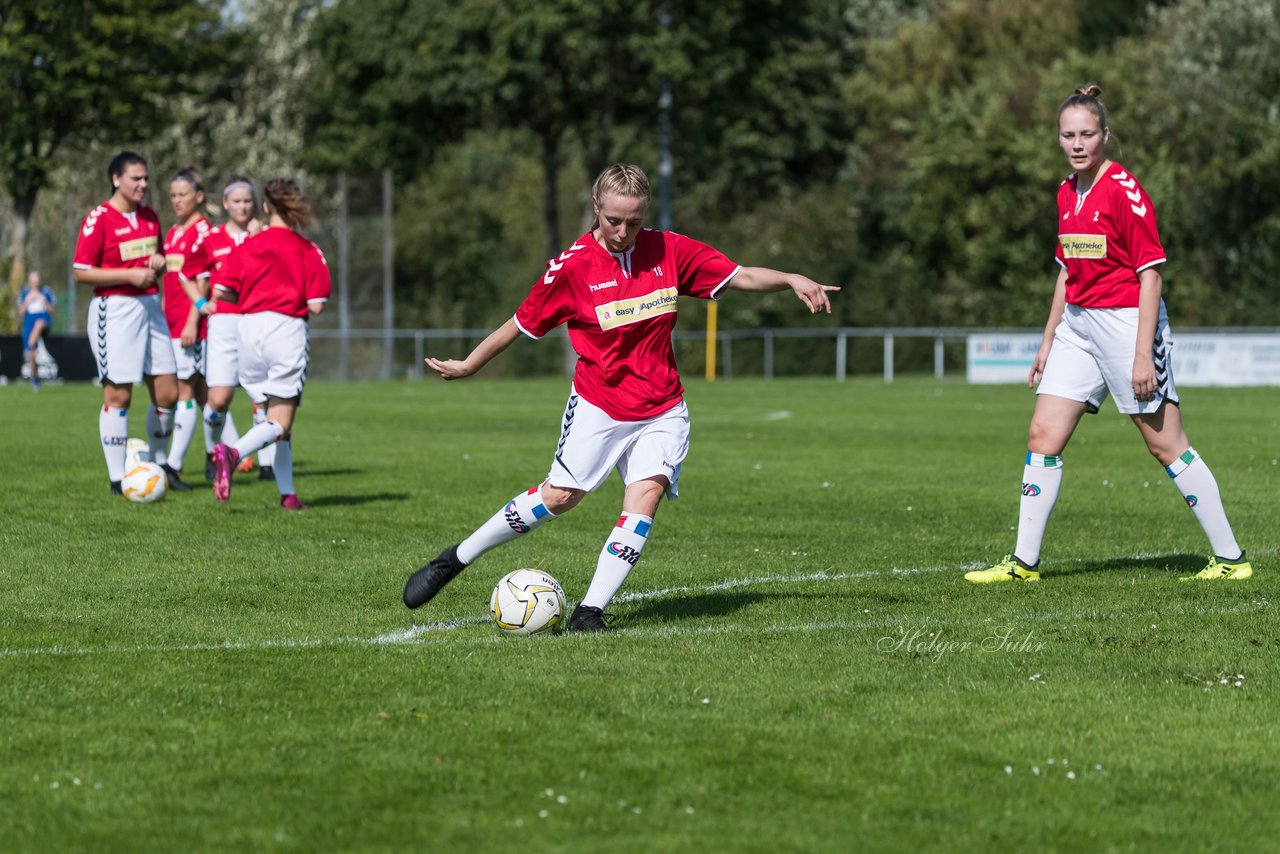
(762, 280)
(497, 341)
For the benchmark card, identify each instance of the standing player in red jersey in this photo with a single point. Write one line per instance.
(186, 289)
(279, 278)
(1108, 333)
(117, 252)
(222, 363)
(617, 288)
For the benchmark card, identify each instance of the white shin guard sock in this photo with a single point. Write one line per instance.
(521, 515)
(618, 557)
(1041, 482)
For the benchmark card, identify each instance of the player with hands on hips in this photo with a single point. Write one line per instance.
(616, 288)
(1107, 334)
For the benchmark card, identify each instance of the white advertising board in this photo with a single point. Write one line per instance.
(1198, 359)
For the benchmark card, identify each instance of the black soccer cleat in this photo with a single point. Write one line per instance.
(176, 483)
(587, 619)
(424, 584)
(116, 488)
(266, 473)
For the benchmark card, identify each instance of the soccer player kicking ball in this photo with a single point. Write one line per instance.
(617, 288)
(1108, 332)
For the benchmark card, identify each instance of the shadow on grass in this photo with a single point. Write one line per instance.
(300, 470)
(697, 606)
(1173, 564)
(352, 500)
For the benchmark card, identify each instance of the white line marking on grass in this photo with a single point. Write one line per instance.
(419, 633)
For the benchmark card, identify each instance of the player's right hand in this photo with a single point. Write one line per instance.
(449, 369)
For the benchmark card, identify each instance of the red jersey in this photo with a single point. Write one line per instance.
(277, 270)
(113, 241)
(218, 246)
(1105, 238)
(621, 311)
(184, 257)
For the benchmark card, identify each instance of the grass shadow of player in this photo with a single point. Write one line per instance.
(301, 469)
(353, 500)
(697, 606)
(1172, 564)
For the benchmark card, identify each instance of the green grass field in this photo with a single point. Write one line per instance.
(798, 665)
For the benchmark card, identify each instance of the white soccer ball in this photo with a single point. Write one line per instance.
(144, 483)
(526, 602)
(136, 451)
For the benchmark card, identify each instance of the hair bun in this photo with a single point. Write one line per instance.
(1089, 90)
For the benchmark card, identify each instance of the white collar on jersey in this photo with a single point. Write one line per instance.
(624, 259)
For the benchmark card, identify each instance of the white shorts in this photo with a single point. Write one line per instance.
(129, 338)
(222, 351)
(1092, 354)
(273, 355)
(190, 360)
(592, 444)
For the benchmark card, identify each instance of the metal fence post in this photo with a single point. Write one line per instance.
(768, 354)
(842, 355)
(888, 357)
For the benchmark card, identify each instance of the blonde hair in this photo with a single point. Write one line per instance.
(621, 179)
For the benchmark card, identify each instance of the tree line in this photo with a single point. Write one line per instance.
(905, 150)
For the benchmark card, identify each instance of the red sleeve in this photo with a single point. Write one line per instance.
(317, 283)
(549, 303)
(230, 275)
(197, 261)
(701, 269)
(1137, 216)
(89, 242)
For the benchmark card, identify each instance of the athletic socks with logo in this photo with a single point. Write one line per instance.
(1041, 482)
(1199, 489)
(267, 456)
(621, 551)
(520, 516)
(218, 427)
(262, 435)
(113, 428)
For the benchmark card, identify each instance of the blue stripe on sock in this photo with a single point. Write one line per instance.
(540, 510)
(642, 528)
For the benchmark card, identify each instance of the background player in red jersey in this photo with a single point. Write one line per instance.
(117, 251)
(1108, 333)
(616, 288)
(186, 289)
(222, 363)
(279, 278)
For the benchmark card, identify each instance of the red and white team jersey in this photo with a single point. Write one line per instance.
(277, 270)
(184, 257)
(218, 246)
(621, 311)
(1105, 238)
(111, 240)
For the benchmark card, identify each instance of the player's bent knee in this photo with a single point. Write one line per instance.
(561, 499)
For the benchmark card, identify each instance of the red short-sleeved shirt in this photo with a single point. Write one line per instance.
(1105, 238)
(621, 311)
(218, 246)
(112, 240)
(184, 256)
(277, 270)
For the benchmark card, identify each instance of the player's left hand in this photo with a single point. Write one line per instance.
(157, 262)
(813, 294)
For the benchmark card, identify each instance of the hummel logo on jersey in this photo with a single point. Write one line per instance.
(612, 283)
(123, 231)
(554, 266)
(623, 552)
(1131, 190)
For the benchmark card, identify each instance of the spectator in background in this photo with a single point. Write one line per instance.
(35, 305)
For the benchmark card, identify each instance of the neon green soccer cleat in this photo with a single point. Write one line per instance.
(1216, 569)
(1009, 569)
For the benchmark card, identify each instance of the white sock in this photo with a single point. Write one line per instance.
(1041, 481)
(185, 418)
(262, 435)
(521, 515)
(215, 423)
(617, 558)
(159, 429)
(284, 464)
(113, 428)
(1200, 489)
(230, 435)
(267, 456)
